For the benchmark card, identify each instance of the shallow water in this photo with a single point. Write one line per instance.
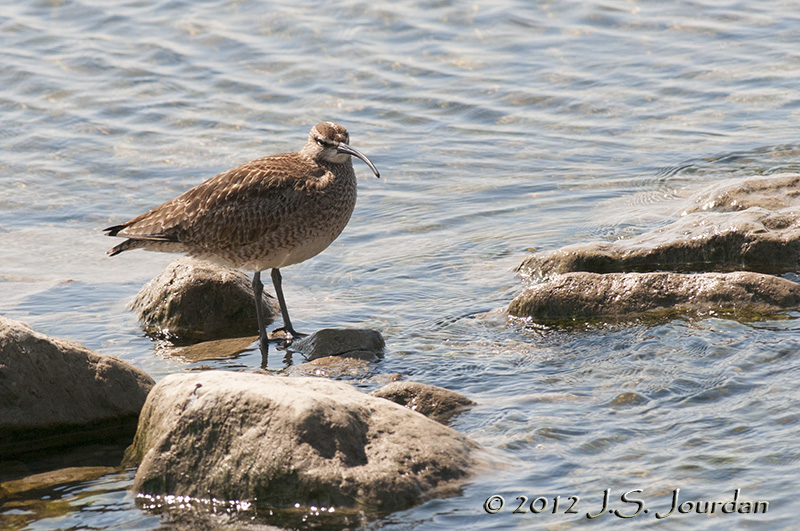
(499, 127)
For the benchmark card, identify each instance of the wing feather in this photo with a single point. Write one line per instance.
(234, 208)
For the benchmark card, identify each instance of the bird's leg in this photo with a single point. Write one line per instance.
(287, 323)
(258, 290)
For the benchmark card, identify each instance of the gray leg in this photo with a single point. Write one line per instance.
(258, 290)
(287, 323)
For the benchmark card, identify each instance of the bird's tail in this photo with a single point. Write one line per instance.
(124, 246)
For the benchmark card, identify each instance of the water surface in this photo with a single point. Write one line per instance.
(499, 127)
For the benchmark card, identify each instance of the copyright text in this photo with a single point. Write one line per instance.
(629, 504)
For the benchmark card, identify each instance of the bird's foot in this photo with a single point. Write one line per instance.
(285, 335)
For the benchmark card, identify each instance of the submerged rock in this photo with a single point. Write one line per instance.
(334, 367)
(56, 393)
(199, 301)
(51, 479)
(771, 192)
(351, 343)
(217, 349)
(751, 225)
(434, 402)
(282, 441)
(623, 295)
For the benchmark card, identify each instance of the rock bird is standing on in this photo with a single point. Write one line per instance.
(265, 214)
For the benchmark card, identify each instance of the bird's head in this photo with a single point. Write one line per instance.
(327, 142)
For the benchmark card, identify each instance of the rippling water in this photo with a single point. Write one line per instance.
(499, 127)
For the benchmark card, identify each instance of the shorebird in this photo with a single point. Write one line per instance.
(268, 213)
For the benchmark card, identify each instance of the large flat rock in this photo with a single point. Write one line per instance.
(55, 392)
(746, 224)
(282, 441)
(583, 295)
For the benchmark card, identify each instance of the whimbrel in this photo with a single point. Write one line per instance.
(269, 213)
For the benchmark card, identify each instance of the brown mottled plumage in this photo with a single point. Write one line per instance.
(269, 213)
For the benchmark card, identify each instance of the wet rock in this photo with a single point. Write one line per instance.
(629, 399)
(351, 343)
(336, 367)
(771, 192)
(56, 393)
(751, 225)
(434, 402)
(52, 479)
(751, 240)
(199, 301)
(312, 441)
(386, 378)
(218, 349)
(624, 295)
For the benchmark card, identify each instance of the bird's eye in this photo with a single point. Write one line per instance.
(320, 142)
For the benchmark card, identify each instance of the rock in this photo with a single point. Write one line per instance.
(771, 192)
(336, 367)
(384, 379)
(52, 479)
(625, 295)
(282, 441)
(56, 393)
(217, 349)
(34, 498)
(751, 240)
(199, 301)
(726, 228)
(434, 402)
(351, 343)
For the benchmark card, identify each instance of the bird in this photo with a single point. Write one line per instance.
(268, 213)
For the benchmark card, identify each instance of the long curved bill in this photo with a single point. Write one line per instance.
(344, 148)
